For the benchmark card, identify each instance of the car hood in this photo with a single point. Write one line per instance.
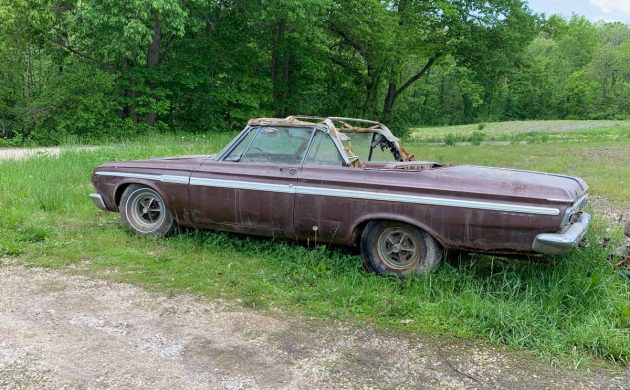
(509, 183)
(189, 157)
(164, 163)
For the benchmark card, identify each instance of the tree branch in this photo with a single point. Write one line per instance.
(347, 39)
(76, 52)
(418, 75)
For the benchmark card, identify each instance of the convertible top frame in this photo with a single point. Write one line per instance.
(337, 126)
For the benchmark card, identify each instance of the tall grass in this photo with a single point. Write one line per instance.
(579, 307)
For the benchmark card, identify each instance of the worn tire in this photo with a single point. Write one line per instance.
(379, 251)
(142, 210)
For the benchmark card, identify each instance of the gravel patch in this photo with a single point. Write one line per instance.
(24, 153)
(61, 331)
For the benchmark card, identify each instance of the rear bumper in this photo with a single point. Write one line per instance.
(98, 201)
(564, 242)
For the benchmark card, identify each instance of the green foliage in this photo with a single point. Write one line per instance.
(477, 137)
(78, 102)
(90, 70)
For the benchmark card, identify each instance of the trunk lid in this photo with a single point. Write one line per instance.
(505, 182)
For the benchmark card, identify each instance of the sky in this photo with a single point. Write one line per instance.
(608, 10)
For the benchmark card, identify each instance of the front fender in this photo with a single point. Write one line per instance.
(111, 188)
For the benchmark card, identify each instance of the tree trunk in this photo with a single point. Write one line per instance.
(393, 93)
(287, 82)
(466, 103)
(153, 59)
(279, 68)
(369, 106)
(129, 95)
(129, 111)
(389, 100)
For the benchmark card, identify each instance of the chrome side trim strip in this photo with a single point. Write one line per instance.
(242, 185)
(163, 178)
(323, 191)
(175, 179)
(427, 200)
(127, 174)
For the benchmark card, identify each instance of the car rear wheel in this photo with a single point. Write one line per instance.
(397, 248)
(143, 211)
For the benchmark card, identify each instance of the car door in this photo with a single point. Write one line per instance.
(320, 217)
(213, 203)
(253, 187)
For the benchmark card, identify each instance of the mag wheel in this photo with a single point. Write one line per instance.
(143, 211)
(398, 248)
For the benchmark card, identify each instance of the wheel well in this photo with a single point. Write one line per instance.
(358, 230)
(360, 227)
(119, 191)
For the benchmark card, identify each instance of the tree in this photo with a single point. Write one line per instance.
(106, 68)
(406, 38)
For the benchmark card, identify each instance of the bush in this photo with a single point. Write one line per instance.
(400, 127)
(450, 139)
(79, 102)
(476, 137)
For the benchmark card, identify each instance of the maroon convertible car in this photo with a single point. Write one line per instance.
(350, 182)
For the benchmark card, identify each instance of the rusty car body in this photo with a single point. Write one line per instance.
(350, 182)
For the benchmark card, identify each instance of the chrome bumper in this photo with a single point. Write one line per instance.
(561, 243)
(98, 201)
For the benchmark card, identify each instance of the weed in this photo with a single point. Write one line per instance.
(32, 234)
(476, 138)
(450, 139)
(10, 250)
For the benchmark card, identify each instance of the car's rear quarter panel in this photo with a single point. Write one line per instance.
(337, 218)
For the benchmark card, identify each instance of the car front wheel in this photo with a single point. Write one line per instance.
(143, 211)
(397, 248)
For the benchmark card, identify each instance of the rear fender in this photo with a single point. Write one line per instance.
(355, 231)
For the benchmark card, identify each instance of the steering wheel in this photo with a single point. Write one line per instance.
(262, 153)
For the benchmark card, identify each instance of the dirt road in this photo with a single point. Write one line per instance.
(22, 153)
(63, 331)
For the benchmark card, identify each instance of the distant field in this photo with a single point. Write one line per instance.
(532, 131)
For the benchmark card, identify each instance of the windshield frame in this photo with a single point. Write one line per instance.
(245, 132)
(233, 143)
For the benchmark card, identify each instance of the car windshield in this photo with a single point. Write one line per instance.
(272, 144)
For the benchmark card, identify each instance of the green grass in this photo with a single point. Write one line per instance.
(577, 309)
